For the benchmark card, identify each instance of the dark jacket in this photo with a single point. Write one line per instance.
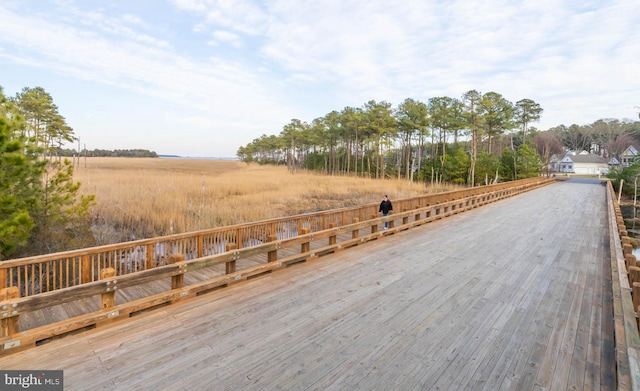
(385, 206)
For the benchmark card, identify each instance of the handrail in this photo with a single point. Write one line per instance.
(45, 273)
(625, 282)
(267, 257)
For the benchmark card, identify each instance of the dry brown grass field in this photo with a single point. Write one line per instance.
(146, 197)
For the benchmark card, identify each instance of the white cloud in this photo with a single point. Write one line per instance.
(223, 59)
(226, 37)
(130, 64)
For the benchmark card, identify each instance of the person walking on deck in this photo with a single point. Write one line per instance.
(385, 208)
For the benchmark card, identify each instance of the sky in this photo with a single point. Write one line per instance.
(201, 78)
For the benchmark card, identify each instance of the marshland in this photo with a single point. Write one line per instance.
(145, 197)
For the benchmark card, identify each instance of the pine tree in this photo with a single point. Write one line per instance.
(41, 210)
(19, 178)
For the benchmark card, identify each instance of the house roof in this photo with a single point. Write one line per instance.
(631, 150)
(588, 158)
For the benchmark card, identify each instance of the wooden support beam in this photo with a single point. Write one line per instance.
(177, 281)
(108, 298)
(272, 256)
(355, 232)
(230, 266)
(333, 238)
(304, 247)
(10, 324)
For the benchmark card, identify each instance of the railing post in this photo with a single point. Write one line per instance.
(239, 238)
(332, 238)
(355, 233)
(390, 221)
(306, 245)
(623, 230)
(10, 320)
(405, 220)
(374, 227)
(200, 244)
(3, 278)
(635, 295)
(177, 281)
(86, 269)
(230, 266)
(416, 217)
(634, 274)
(272, 256)
(108, 298)
(150, 255)
(630, 261)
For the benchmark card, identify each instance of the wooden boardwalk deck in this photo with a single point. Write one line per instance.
(515, 295)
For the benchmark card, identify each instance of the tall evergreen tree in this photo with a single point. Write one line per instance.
(62, 215)
(352, 122)
(473, 120)
(20, 173)
(525, 112)
(44, 126)
(497, 116)
(41, 209)
(382, 126)
(413, 118)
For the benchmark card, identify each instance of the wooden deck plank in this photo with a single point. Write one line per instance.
(541, 335)
(484, 300)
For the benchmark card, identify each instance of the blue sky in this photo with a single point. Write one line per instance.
(204, 77)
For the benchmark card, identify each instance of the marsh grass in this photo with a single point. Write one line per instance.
(146, 197)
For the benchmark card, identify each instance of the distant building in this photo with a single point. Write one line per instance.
(579, 163)
(628, 156)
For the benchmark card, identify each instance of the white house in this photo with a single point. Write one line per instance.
(628, 155)
(583, 163)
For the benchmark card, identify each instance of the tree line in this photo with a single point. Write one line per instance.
(67, 152)
(41, 210)
(470, 140)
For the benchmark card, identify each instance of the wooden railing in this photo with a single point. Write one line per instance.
(198, 262)
(46, 273)
(625, 281)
